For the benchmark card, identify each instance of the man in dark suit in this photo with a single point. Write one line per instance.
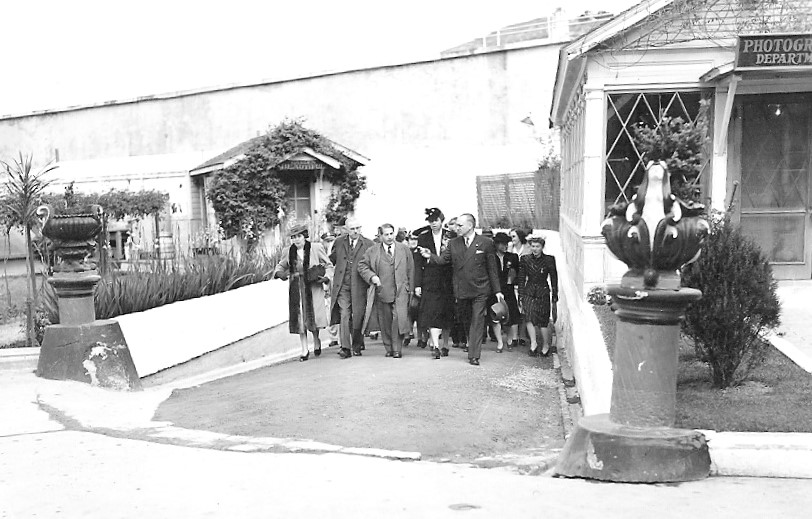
(476, 278)
(349, 291)
(390, 267)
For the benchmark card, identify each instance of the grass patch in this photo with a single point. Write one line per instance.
(776, 397)
(13, 292)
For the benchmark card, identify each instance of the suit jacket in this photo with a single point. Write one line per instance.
(475, 268)
(371, 264)
(346, 260)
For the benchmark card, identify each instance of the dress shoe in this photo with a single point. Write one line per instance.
(545, 353)
(317, 351)
(436, 353)
(444, 352)
(422, 344)
(388, 354)
(474, 362)
(513, 344)
(397, 355)
(345, 353)
(303, 358)
(498, 350)
(333, 344)
(533, 353)
(455, 345)
(465, 349)
(357, 353)
(406, 341)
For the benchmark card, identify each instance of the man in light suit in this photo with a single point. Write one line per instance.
(476, 277)
(349, 291)
(390, 267)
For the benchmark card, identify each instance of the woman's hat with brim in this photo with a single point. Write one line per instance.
(299, 228)
(501, 237)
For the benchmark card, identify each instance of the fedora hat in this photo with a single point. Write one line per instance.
(498, 312)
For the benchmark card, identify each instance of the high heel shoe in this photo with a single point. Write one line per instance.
(303, 358)
(533, 353)
(545, 353)
(316, 351)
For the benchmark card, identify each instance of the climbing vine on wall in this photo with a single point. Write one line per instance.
(248, 195)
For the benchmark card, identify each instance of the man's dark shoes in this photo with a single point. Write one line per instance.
(455, 345)
(345, 353)
(474, 362)
(465, 349)
(436, 353)
(333, 343)
(422, 344)
(397, 355)
(356, 352)
(444, 352)
(388, 354)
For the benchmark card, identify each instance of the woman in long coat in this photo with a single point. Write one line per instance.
(306, 307)
(535, 293)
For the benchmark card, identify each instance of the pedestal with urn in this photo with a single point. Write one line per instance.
(81, 347)
(655, 235)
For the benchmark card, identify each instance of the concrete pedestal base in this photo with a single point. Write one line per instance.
(95, 353)
(601, 449)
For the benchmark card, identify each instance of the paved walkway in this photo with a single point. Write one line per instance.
(55, 468)
(794, 335)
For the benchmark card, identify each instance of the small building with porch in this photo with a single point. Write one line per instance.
(303, 172)
(750, 62)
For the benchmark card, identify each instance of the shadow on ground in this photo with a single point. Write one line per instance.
(444, 409)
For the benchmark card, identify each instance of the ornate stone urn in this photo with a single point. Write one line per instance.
(655, 234)
(73, 236)
(80, 347)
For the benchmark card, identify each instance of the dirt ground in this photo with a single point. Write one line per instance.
(445, 409)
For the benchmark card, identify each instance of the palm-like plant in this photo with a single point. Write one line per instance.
(24, 187)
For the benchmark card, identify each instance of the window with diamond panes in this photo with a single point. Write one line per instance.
(625, 166)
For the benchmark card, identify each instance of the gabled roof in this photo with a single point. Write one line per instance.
(238, 152)
(571, 60)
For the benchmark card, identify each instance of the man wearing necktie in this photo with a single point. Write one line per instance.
(349, 291)
(476, 278)
(390, 267)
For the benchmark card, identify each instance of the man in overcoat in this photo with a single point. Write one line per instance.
(476, 277)
(390, 267)
(349, 291)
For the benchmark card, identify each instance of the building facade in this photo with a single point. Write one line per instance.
(748, 63)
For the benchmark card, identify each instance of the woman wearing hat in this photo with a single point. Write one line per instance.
(535, 293)
(508, 271)
(307, 266)
(433, 283)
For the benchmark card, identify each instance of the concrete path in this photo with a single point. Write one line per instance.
(794, 335)
(50, 466)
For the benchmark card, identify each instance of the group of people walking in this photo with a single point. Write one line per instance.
(446, 279)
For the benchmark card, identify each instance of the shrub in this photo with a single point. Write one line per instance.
(157, 283)
(597, 295)
(738, 306)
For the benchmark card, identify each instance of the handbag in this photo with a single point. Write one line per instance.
(315, 273)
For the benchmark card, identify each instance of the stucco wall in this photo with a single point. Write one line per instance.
(438, 123)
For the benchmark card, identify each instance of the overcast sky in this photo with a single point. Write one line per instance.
(57, 53)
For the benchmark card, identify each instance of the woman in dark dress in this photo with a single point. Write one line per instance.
(433, 283)
(508, 272)
(535, 294)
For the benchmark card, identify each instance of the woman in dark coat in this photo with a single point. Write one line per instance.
(433, 283)
(535, 293)
(307, 310)
(508, 274)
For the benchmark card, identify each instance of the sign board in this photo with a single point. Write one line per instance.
(300, 164)
(757, 51)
